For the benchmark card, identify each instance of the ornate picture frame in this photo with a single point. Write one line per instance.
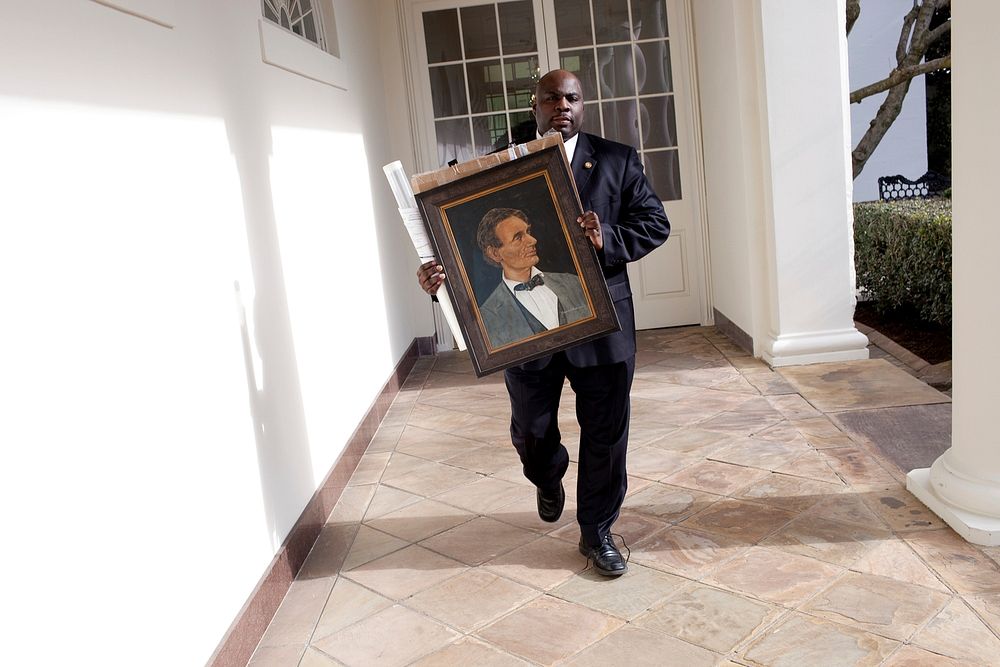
(499, 223)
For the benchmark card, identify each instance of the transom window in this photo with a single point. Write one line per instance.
(298, 16)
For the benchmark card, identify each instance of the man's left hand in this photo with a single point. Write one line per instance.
(592, 228)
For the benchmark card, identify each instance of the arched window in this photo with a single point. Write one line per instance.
(301, 17)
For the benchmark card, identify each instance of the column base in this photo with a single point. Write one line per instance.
(974, 528)
(815, 348)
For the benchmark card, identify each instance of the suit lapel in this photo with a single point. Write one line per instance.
(583, 156)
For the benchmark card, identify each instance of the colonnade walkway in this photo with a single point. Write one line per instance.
(767, 519)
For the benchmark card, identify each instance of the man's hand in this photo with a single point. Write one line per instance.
(430, 275)
(592, 228)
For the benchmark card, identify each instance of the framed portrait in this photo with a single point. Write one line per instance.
(524, 279)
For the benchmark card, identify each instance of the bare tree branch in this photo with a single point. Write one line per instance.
(853, 12)
(883, 120)
(898, 76)
(936, 34)
(921, 27)
(904, 33)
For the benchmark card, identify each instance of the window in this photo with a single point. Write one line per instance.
(291, 31)
(298, 16)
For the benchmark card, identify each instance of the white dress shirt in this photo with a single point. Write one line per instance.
(540, 301)
(569, 145)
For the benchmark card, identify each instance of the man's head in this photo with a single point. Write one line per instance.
(558, 103)
(504, 236)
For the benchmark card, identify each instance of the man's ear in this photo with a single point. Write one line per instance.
(493, 255)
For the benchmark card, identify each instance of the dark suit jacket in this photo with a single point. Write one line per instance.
(505, 321)
(633, 224)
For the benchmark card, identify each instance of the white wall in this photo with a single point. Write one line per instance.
(872, 49)
(154, 458)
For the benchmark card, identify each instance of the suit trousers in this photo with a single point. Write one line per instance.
(602, 409)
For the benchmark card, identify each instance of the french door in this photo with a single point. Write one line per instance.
(474, 66)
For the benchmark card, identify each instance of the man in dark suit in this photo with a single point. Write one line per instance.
(624, 221)
(526, 301)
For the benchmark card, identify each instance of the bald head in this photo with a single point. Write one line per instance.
(558, 103)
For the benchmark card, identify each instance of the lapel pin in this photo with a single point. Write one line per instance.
(588, 164)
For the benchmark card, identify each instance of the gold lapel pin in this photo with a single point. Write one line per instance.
(588, 164)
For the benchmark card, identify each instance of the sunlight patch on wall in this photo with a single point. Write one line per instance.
(330, 256)
(123, 373)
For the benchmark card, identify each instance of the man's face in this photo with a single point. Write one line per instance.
(559, 104)
(517, 250)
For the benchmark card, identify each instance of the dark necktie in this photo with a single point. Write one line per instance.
(535, 281)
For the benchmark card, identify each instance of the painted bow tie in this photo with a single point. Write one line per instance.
(535, 281)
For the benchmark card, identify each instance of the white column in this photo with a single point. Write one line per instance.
(963, 485)
(808, 227)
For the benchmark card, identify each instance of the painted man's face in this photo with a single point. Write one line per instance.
(517, 251)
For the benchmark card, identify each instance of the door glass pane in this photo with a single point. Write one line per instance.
(522, 127)
(614, 66)
(591, 119)
(448, 90)
(659, 122)
(573, 23)
(649, 17)
(486, 86)
(611, 21)
(489, 133)
(441, 36)
(479, 31)
(653, 66)
(521, 75)
(581, 63)
(664, 173)
(453, 140)
(517, 27)
(621, 122)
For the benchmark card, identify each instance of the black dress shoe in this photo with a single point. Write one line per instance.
(606, 557)
(550, 505)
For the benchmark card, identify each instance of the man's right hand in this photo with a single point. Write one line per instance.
(430, 275)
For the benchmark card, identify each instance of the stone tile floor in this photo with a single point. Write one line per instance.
(761, 533)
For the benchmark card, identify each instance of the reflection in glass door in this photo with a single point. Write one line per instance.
(620, 50)
(483, 63)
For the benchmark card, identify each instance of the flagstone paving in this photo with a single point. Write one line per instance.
(766, 527)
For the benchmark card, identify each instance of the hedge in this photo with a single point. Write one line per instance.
(902, 255)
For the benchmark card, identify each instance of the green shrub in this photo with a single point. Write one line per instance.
(902, 255)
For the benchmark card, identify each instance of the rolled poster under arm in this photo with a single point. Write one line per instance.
(415, 226)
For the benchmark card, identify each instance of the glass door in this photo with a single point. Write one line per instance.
(476, 67)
